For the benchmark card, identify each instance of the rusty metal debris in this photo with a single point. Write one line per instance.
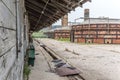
(65, 71)
(42, 45)
(56, 60)
(60, 64)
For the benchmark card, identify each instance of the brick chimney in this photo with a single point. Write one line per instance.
(86, 14)
(65, 20)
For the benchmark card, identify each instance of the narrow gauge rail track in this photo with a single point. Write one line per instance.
(53, 55)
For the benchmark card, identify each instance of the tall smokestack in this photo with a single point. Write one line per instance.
(86, 14)
(65, 20)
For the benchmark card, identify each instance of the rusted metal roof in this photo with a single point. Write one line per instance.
(43, 13)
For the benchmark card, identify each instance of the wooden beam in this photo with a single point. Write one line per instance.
(39, 5)
(36, 8)
(55, 9)
(33, 10)
(56, 6)
(61, 5)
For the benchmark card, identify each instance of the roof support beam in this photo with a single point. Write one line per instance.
(39, 5)
(54, 10)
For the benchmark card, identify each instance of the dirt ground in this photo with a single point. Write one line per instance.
(96, 62)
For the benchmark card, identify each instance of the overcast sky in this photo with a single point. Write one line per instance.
(98, 8)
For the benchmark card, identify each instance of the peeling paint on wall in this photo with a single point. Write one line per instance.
(11, 67)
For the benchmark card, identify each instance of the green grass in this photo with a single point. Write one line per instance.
(39, 34)
(64, 39)
(26, 72)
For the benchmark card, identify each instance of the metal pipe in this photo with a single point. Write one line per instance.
(108, 26)
(16, 7)
(100, 18)
(89, 29)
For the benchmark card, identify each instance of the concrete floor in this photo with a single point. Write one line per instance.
(41, 70)
(96, 62)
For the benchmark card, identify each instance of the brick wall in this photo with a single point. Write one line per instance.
(116, 41)
(97, 32)
(62, 34)
(65, 21)
(100, 41)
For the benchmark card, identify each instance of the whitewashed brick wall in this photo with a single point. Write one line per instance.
(11, 66)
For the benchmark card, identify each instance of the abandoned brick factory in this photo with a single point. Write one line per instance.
(34, 46)
(102, 30)
(18, 20)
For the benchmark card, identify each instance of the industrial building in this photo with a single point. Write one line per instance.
(103, 30)
(97, 30)
(59, 33)
(62, 31)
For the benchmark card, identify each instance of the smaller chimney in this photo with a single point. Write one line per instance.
(65, 20)
(86, 14)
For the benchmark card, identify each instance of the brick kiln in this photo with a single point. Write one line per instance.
(97, 30)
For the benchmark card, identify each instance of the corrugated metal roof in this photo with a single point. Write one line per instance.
(101, 21)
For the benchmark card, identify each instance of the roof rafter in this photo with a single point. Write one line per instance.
(53, 11)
